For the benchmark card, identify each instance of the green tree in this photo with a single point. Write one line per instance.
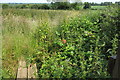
(76, 5)
(35, 6)
(87, 5)
(118, 3)
(44, 6)
(63, 5)
(60, 5)
(5, 6)
(24, 6)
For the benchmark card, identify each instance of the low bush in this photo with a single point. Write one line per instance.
(81, 48)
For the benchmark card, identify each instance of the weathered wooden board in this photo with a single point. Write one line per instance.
(22, 70)
(111, 64)
(32, 71)
(116, 70)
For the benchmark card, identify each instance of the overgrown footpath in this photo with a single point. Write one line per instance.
(80, 48)
(18, 40)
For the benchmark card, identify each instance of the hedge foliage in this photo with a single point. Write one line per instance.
(80, 48)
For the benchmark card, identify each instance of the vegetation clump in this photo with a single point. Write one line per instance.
(74, 45)
(87, 5)
(82, 47)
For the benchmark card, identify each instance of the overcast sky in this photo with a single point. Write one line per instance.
(44, 1)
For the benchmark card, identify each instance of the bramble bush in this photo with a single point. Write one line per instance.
(89, 41)
(80, 48)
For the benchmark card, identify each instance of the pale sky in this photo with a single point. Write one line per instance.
(44, 1)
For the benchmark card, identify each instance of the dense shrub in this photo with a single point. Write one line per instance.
(44, 6)
(60, 5)
(76, 6)
(5, 6)
(81, 48)
(86, 5)
(35, 6)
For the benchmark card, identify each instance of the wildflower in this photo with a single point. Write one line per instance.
(63, 41)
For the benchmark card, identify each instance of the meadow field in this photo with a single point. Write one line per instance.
(98, 7)
(63, 43)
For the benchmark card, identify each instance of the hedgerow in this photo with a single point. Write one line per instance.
(80, 48)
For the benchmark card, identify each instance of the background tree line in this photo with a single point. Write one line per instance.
(58, 5)
(52, 5)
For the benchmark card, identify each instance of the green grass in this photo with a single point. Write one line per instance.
(98, 7)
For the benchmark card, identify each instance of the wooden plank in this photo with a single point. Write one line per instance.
(32, 71)
(111, 64)
(22, 70)
(116, 70)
